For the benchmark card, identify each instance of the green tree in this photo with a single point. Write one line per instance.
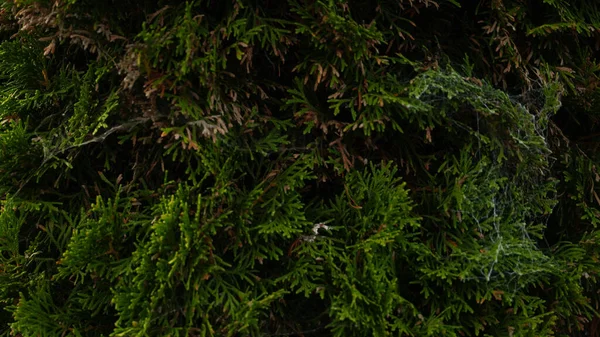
(309, 168)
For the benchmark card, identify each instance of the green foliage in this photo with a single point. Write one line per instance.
(325, 168)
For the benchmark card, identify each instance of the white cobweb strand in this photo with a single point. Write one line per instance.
(497, 210)
(315, 230)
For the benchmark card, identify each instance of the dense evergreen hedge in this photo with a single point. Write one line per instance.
(299, 168)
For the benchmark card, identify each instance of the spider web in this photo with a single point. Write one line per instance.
(512, 256)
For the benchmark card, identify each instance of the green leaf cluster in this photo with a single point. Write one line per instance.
(324, 168)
